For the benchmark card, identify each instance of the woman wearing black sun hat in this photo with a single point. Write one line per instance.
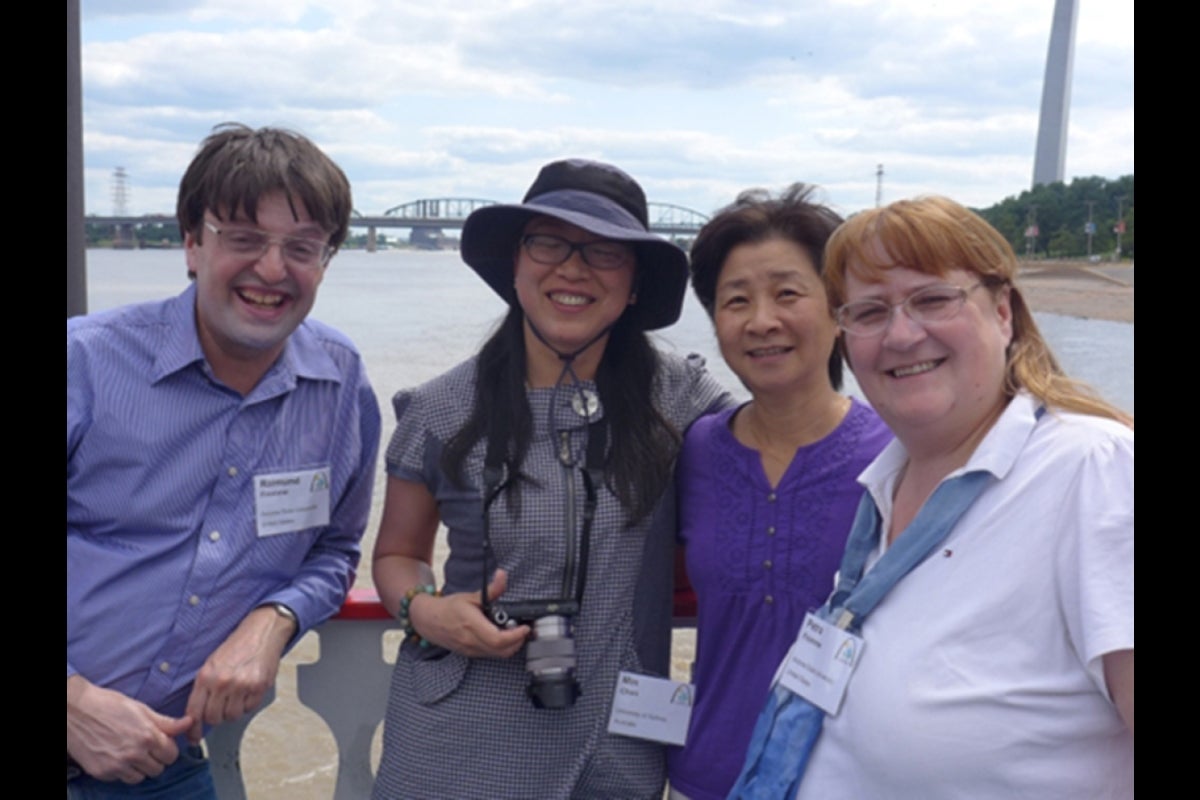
(548, 456)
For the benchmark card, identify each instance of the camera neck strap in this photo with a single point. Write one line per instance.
(499, 473)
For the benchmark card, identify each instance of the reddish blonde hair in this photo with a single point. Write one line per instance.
(935, 235)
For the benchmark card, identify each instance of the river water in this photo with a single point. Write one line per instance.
(414, 314)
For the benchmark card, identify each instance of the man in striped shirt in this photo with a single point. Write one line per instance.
(220, 460)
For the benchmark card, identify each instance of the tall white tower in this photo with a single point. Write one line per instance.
(1051, 154)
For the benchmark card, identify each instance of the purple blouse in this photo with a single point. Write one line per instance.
(759, 559)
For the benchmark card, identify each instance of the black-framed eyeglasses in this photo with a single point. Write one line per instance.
(250, 243)
(932, 304)
(546, 248)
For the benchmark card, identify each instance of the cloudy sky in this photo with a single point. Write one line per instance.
(698, 99)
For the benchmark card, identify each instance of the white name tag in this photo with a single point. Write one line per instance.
(651, 708)
(286, 502)
(820, 663)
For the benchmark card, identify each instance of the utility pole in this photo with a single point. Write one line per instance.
(76, 240)
(1119, 228)
(1031, 230)
(1090, 228)
(879, 186)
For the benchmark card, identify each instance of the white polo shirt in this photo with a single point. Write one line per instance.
(981, 672)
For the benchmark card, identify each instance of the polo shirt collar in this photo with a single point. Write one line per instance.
(996, 453)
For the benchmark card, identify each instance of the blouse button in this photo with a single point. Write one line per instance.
(768, 599)
(214, 536)
(233, 472)
(771, 530)
(771, 497)
(767, 564)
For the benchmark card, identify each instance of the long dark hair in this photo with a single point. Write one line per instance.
(642, 443)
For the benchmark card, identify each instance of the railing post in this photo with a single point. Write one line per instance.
(224, 744)
(348, 687)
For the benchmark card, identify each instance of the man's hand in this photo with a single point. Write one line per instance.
(236, 676)
(114, 737)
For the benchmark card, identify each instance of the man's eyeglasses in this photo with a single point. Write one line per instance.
(554, 250)
(253, 244)
(931, 304)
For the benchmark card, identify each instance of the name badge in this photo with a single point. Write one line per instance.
(651, 708)
(820, 663)
(286, 502)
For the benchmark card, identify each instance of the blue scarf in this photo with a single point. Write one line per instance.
(788, 726)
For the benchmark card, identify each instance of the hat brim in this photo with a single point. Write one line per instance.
(489, 246)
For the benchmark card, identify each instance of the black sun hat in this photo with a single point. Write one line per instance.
(600, 199)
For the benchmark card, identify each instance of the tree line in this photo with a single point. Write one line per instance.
(1058, 214)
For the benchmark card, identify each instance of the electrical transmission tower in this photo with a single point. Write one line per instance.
(123, 235)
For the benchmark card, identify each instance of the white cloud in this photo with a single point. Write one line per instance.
(697, 98)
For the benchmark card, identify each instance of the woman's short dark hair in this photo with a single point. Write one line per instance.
(756, 216)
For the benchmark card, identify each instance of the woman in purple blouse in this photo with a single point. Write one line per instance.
(767, 490)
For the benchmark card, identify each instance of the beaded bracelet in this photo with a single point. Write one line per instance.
(405, 621)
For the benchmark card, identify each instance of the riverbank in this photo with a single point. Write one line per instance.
(1079, 289)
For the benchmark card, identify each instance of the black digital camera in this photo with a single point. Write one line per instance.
(550, 652)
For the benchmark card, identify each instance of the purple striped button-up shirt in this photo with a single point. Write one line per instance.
(163, 554)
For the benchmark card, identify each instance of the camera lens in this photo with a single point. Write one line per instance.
(553, 693)
(551, 627)
(550, 661)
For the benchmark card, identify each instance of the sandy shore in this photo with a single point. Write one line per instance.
(1079, 289)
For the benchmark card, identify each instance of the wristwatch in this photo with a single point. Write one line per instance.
(284, 612)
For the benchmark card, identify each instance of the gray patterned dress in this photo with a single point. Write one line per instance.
(463, 728)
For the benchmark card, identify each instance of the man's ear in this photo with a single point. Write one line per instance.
(191, 253)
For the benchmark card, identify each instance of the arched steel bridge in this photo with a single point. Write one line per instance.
(429, 216)
(446, 212)
(451, 212)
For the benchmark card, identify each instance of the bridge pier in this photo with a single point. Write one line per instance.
(371, 243)
(124, 237)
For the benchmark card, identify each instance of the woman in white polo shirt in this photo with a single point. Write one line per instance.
(1001, 664)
